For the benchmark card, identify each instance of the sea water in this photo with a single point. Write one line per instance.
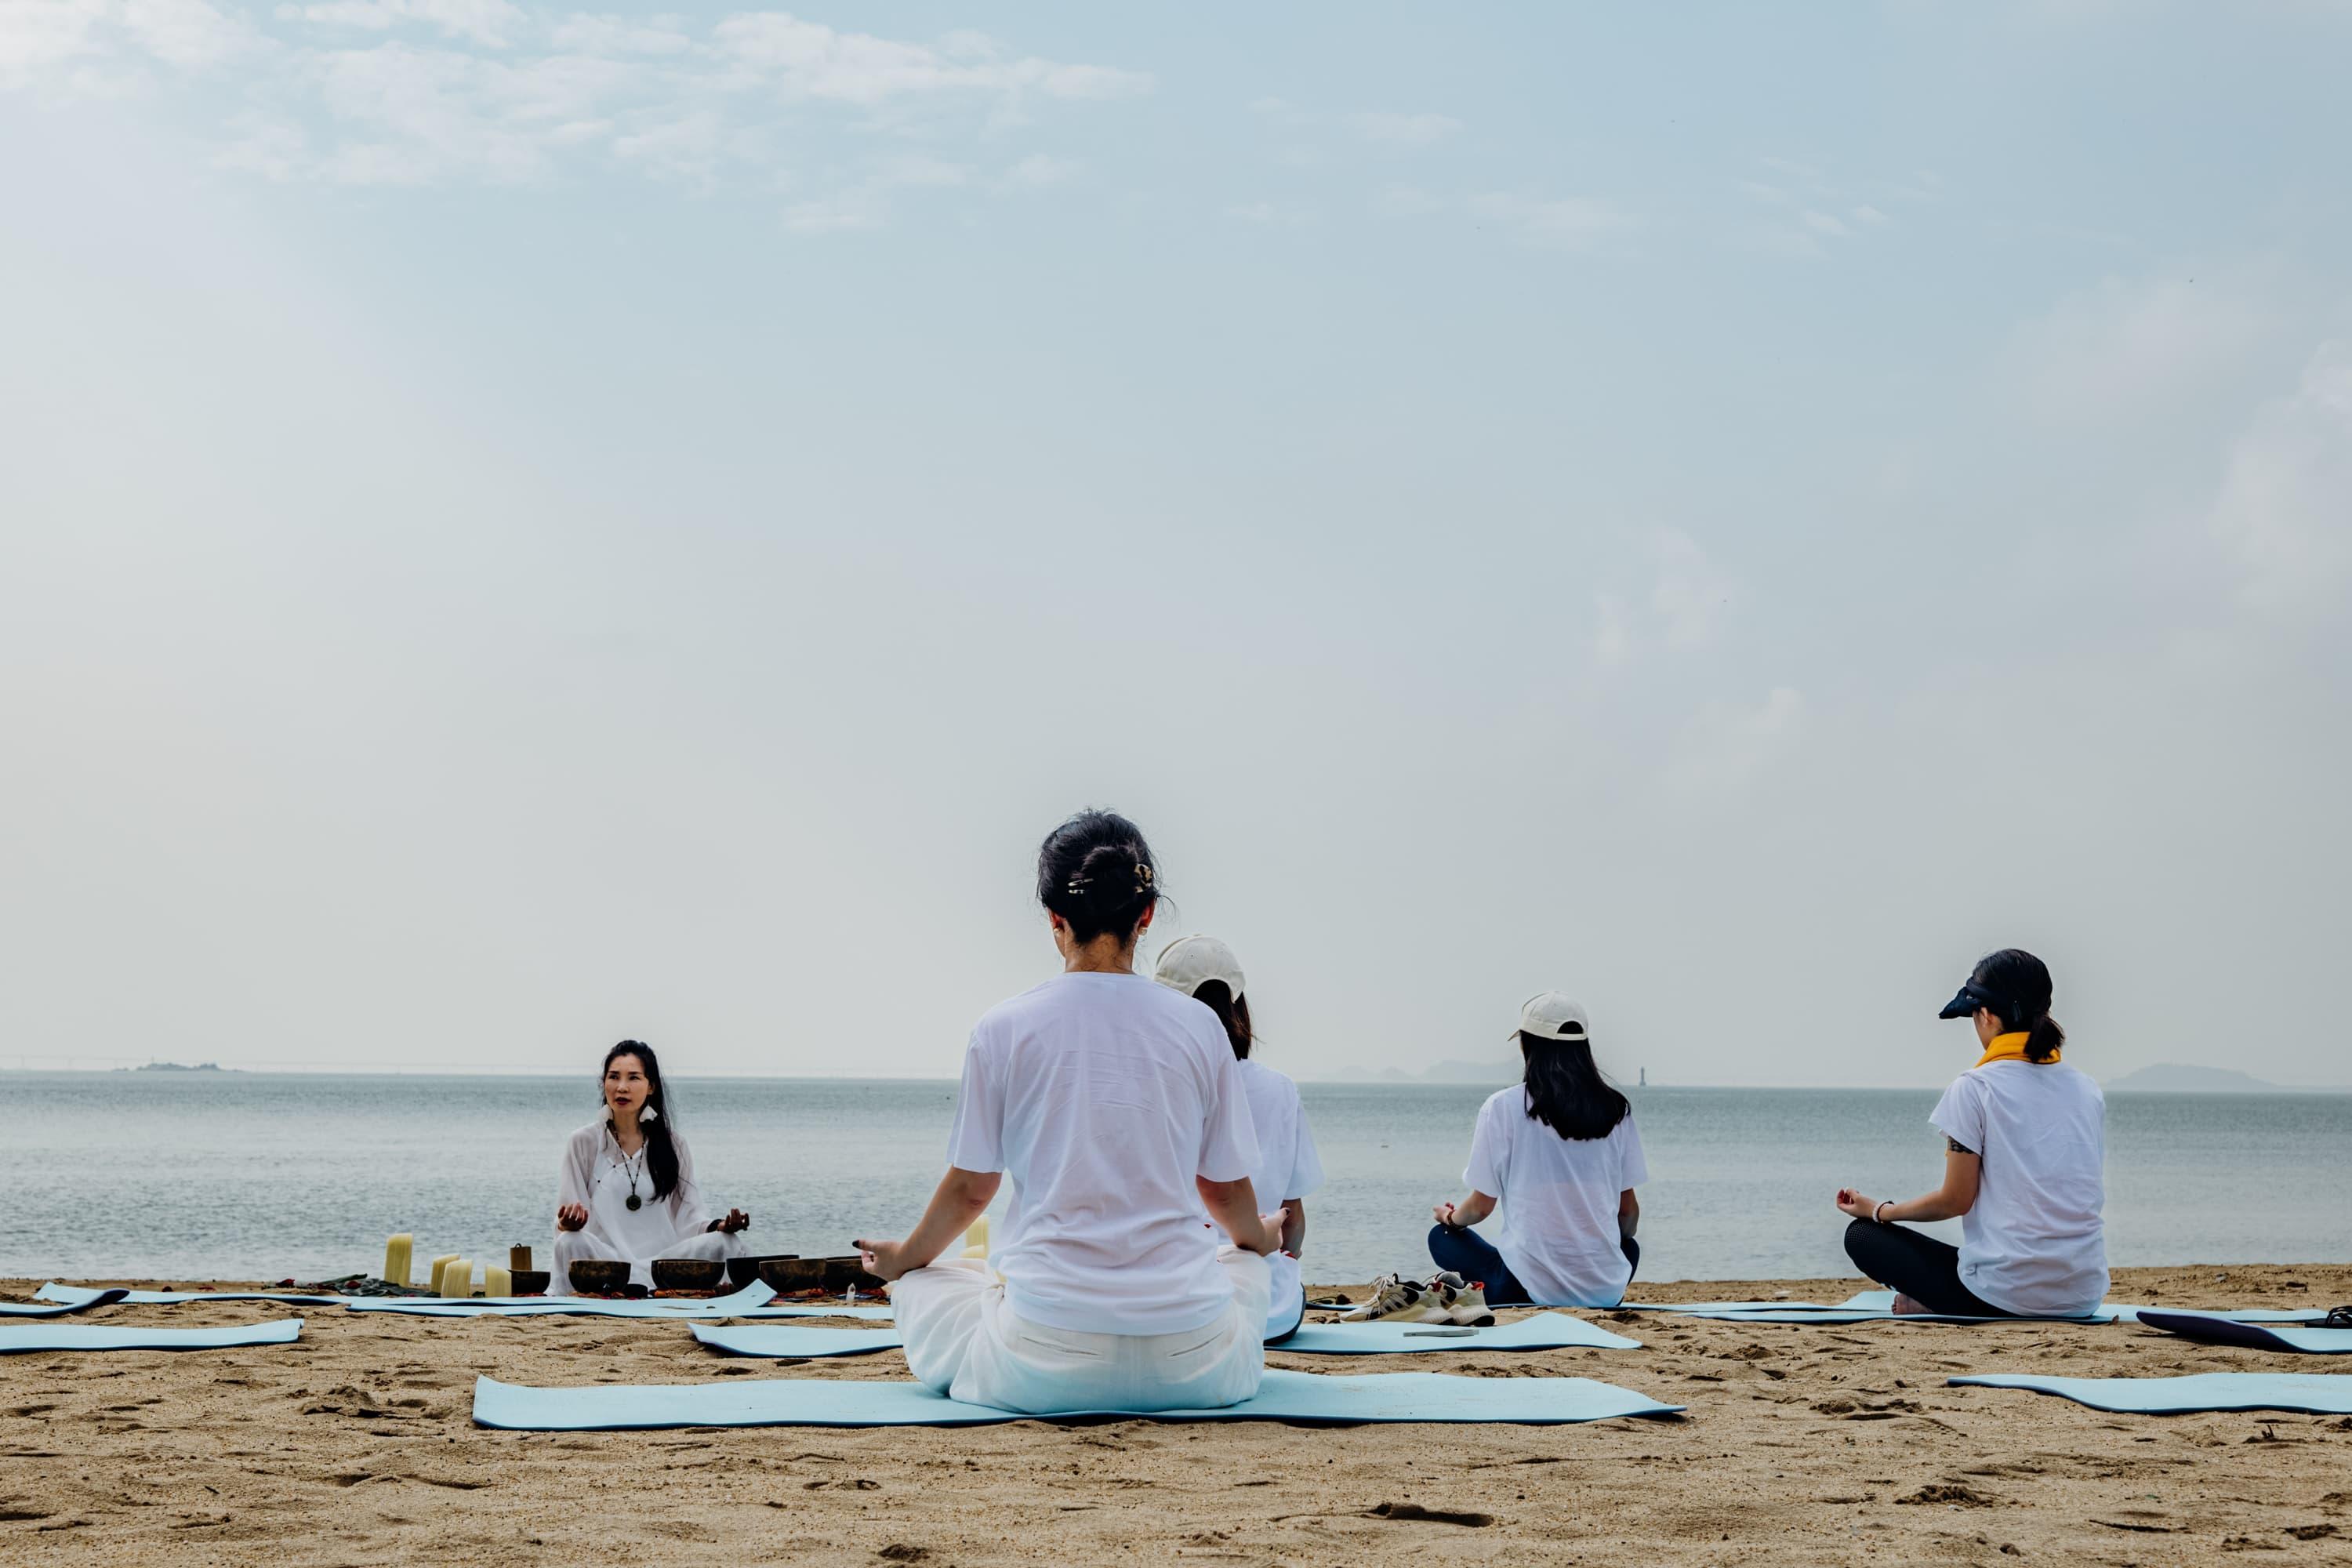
(193, 1175)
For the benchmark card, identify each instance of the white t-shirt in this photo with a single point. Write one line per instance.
(1556, 1198)
(2032, 1242)
(1103, 1096)
(1287, 1167)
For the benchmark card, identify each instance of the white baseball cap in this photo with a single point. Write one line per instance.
(1548, 1016)
(1191, 961)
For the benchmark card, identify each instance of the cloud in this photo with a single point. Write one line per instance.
(1571, 223)
(1683, 611)
(808, 59)
(1725, 747)
(416, 92)
(36, 35)
(1270, 214)
(1037, 171)
(2284, 508)
(493, 23)
(1690, 595)
(1404, 130)
(2126, 345)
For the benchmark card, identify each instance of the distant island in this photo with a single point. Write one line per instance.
(2174, 1078)
(178, 1067)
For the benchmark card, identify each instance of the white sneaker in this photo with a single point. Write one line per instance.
(1470, 1309)
(1396, 1299)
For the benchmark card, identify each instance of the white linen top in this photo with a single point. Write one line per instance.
(594, 1174)
(1103, 1096)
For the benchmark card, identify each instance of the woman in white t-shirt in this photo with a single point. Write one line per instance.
(1559, 1156)
(2024, 1144)
(1287, 1167)
(1116, 1108)
(625, 1190)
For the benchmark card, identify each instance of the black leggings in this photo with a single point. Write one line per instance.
(1473, 1256)
(1918, 1266)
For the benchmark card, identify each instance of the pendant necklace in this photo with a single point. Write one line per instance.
(629, 1168)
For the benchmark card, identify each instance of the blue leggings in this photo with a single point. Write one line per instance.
(1470, 1255)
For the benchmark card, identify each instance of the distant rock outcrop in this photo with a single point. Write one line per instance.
(2174, 1078)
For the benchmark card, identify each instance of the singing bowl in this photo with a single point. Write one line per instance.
(741, 1271)
(598, 1277)
(688, 1273)
(531, 1281)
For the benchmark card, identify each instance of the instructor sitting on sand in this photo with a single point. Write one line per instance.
(2024, 1138)
(626, 1190)
(1117, 1108)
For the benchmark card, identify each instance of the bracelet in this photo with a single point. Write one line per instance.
(1876, 1208)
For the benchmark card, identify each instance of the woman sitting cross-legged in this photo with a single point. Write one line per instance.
(1117, 1108)
(626, 1191)
(1559, 1156)
(2024, 1143)
(1288, 1166)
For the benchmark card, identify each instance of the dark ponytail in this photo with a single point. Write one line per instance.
(2019, 987)
(661, 1155)
(1232, 1011)
(1566, 1091)
(1095, 872)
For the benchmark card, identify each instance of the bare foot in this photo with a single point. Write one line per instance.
(1904, 1307)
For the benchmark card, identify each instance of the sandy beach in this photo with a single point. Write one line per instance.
(1814, 1445)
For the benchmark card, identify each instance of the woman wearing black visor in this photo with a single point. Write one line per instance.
(2024, 1138)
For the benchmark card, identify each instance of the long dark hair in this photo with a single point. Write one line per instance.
(1095, 872)
(1232, 1011)
(661, 1155)
(2019, 988)
(1566, 1091)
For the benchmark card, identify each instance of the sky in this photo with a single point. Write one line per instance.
(521, 527)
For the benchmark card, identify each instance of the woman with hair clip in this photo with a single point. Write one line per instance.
(1116, 1108)
(1287, 1167)
(626, 1191)
(2024, 1142)
(1559, 1156)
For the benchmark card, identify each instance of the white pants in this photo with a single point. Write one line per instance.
(572, 1246)
(963, 1340)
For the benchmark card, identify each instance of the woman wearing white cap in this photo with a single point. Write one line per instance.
(1116, 1108)
(1559, 1156)
(1205, 969)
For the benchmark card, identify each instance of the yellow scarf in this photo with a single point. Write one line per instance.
(2010, 1048)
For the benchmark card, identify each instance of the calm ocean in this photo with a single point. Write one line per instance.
(237, 1175)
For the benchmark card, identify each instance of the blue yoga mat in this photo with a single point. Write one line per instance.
(2314, 1394)
(796, 1339)
(2215, 1328)
(754, 1300)
(17, 1338)
(1545, 1331)
(1298, 1396)
(86, 1296)
(1863, 1307)
(59, 1309)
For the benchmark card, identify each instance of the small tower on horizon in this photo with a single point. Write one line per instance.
(1645, 1079)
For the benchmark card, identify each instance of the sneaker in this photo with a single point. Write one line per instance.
(1396, 1299)
(1469, 1306)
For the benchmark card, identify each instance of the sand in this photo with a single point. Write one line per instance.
(1801, 1445)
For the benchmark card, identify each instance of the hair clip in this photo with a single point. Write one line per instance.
(1142, 874)
(1075, 885)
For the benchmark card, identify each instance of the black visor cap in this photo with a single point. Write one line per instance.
(1965, 1004)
